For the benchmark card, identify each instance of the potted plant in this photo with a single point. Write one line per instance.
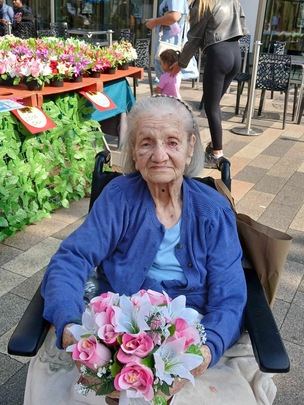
(113, 56)
(128, 52)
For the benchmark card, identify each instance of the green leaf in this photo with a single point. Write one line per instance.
(148, 361)
(116, 366)
(165, 388)
(193, 349)
(105, 387)
(3, 223)
(159, 400)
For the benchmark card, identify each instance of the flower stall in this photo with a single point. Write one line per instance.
(51, 59)
(46, 170)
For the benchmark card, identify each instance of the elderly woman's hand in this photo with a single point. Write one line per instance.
(67, 337)
(179, 383)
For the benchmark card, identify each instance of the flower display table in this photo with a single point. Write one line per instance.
(35, 98)
(43, 171)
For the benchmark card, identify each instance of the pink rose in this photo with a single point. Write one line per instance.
(106, 323)
(189, 332)
(108, 335)
(139, 344)
(138, 377)
(124, 358)
(102, 302)
(91, 353)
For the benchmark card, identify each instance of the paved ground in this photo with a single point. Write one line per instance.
(268, 184)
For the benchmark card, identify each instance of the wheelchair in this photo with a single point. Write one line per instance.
(268, 347)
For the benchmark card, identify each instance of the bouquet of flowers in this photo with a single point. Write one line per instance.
(137, 345)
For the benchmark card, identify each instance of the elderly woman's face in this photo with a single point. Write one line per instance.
(161, 150)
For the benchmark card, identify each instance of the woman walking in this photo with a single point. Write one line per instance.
(215, 26)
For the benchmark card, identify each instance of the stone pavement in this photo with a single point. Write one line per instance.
(268, 184)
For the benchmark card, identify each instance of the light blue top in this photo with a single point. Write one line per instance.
(165, 265)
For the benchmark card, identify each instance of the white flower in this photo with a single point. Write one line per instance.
(132, 319)
(177, 309)
(171, 360)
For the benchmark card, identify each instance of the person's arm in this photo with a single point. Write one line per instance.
(10, 13)
(224, 311)
(157, 90)
(243, 21)
(167, 19)
(78, 255)
(195, 37)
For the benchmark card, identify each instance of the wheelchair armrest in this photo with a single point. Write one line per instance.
(268, 347)
(31, 329)
(224, 167)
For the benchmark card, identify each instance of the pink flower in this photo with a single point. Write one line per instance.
(106, 322)
(103, 301)
(190, 333)
(139, 344)
(155, 297)
(108, 335)
(91, 353)
(138, 377)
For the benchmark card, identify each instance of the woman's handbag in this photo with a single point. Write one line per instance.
(265, 249)
(191, 71)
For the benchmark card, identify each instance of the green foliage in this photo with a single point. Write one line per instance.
(39, 173)
(159, 400)
(193, 349)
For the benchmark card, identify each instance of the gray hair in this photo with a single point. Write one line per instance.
(153, 106)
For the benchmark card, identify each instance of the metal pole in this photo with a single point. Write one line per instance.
(52, 6)
(9, 29)
(247, 130)
(109, 37)
(257, 43)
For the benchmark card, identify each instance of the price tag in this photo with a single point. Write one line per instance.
(100, 100)
(34, 119)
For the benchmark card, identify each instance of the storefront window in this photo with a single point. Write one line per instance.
(98, 15)
(284, 22)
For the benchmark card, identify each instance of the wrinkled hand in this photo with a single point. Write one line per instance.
(175, 69)
(179, 384)
(67, 337)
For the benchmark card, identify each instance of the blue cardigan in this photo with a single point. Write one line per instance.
(121, 236)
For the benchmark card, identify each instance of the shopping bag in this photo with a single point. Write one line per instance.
(265, 249)
(162, 46)
(191, 71)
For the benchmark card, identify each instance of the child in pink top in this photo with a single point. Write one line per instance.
(168, 85)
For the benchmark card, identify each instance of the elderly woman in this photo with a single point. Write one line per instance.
(153, 228)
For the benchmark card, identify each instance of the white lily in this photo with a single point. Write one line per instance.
(132, 319)
(177, 309)
(171, 360)
(88, 326)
